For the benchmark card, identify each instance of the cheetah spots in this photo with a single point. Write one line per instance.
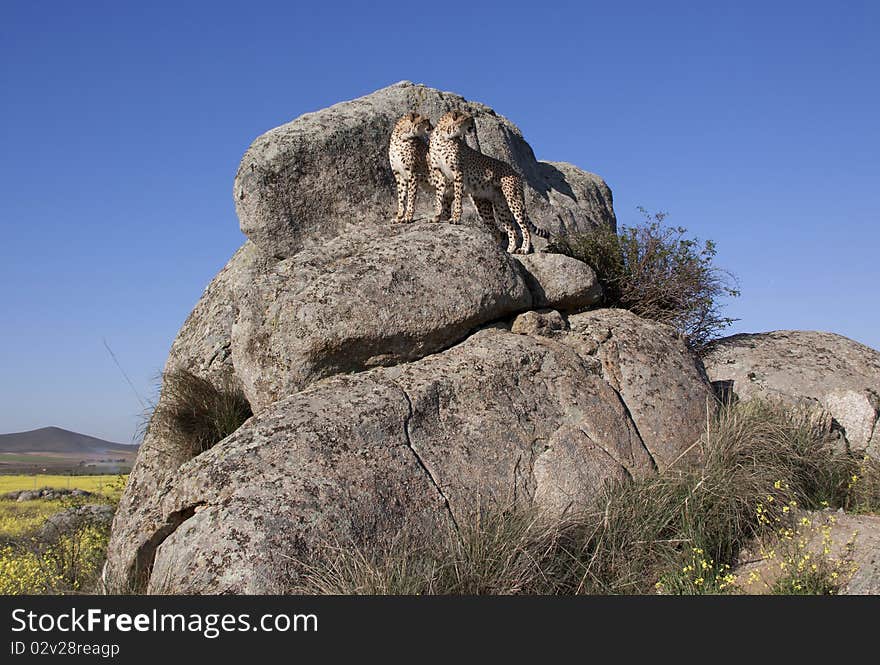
(484, 178)
(408, 155)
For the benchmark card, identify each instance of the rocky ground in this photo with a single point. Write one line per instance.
(44, 493)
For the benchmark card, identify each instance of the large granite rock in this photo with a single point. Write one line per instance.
(560, 282)
(385, 295)
(663, 386)
(402, 376)
(380, 296)
(832, 372)
(496, 420)
(305, 182)
(374, 296)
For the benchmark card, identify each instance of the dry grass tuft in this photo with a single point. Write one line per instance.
(199, 412)
(679, 532)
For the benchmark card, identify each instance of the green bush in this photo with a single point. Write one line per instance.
(658, 273)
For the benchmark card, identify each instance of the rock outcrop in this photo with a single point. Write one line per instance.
(662, 384)
(385, 295)
(44, 494)
(381, 296)
(312, 179)
(827, 370)
(67, 522)
(400, 375)
(560, 282)
(496, 420)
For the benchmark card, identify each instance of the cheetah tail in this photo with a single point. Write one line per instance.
(537, 231)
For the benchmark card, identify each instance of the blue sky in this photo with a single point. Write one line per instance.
(754, 124)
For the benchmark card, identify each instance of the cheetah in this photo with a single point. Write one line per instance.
(494, 186)
(408, 154)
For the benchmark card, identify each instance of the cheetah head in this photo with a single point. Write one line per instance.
(413, 125)
(456, 124)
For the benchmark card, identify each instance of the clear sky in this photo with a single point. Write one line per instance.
(755, 124)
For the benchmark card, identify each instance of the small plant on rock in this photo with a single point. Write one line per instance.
(659, 273)
(199, 412)
(800, 566)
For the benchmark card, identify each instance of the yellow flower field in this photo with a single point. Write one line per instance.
(18, 519)
(69, 564)
(108, 485)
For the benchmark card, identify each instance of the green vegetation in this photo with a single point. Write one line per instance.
(658, 273)
(70, 563)
(21, 518)
(801, 571)
(64, 560)
(25, 458)
(199, 412)
(107, 485)
(677, 532)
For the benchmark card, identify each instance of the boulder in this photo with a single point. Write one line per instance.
(329, 465)
(401, 376)
(560, 282)
(311, 179)
(542, 322)
(795, 366)
(380, 296)
(69, 521)
(375, 296)
(500, 419)
(663, 386)
(44, 494)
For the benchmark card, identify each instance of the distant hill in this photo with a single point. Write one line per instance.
(57, 440)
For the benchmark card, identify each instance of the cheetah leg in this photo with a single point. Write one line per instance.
(413, 186)
(440, 206)
(505, 220)
(485, 210)
(516, 204)
(447, 205)
(526, 247)
(401, 196)
(457, 194)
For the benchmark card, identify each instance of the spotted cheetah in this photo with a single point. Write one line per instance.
(408, 154)
(494, 186)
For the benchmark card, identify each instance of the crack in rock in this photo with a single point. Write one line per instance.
(141, 570)
(613, 455)
(612, 367)
(419, 460)
(607, 366)
(636, 428)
